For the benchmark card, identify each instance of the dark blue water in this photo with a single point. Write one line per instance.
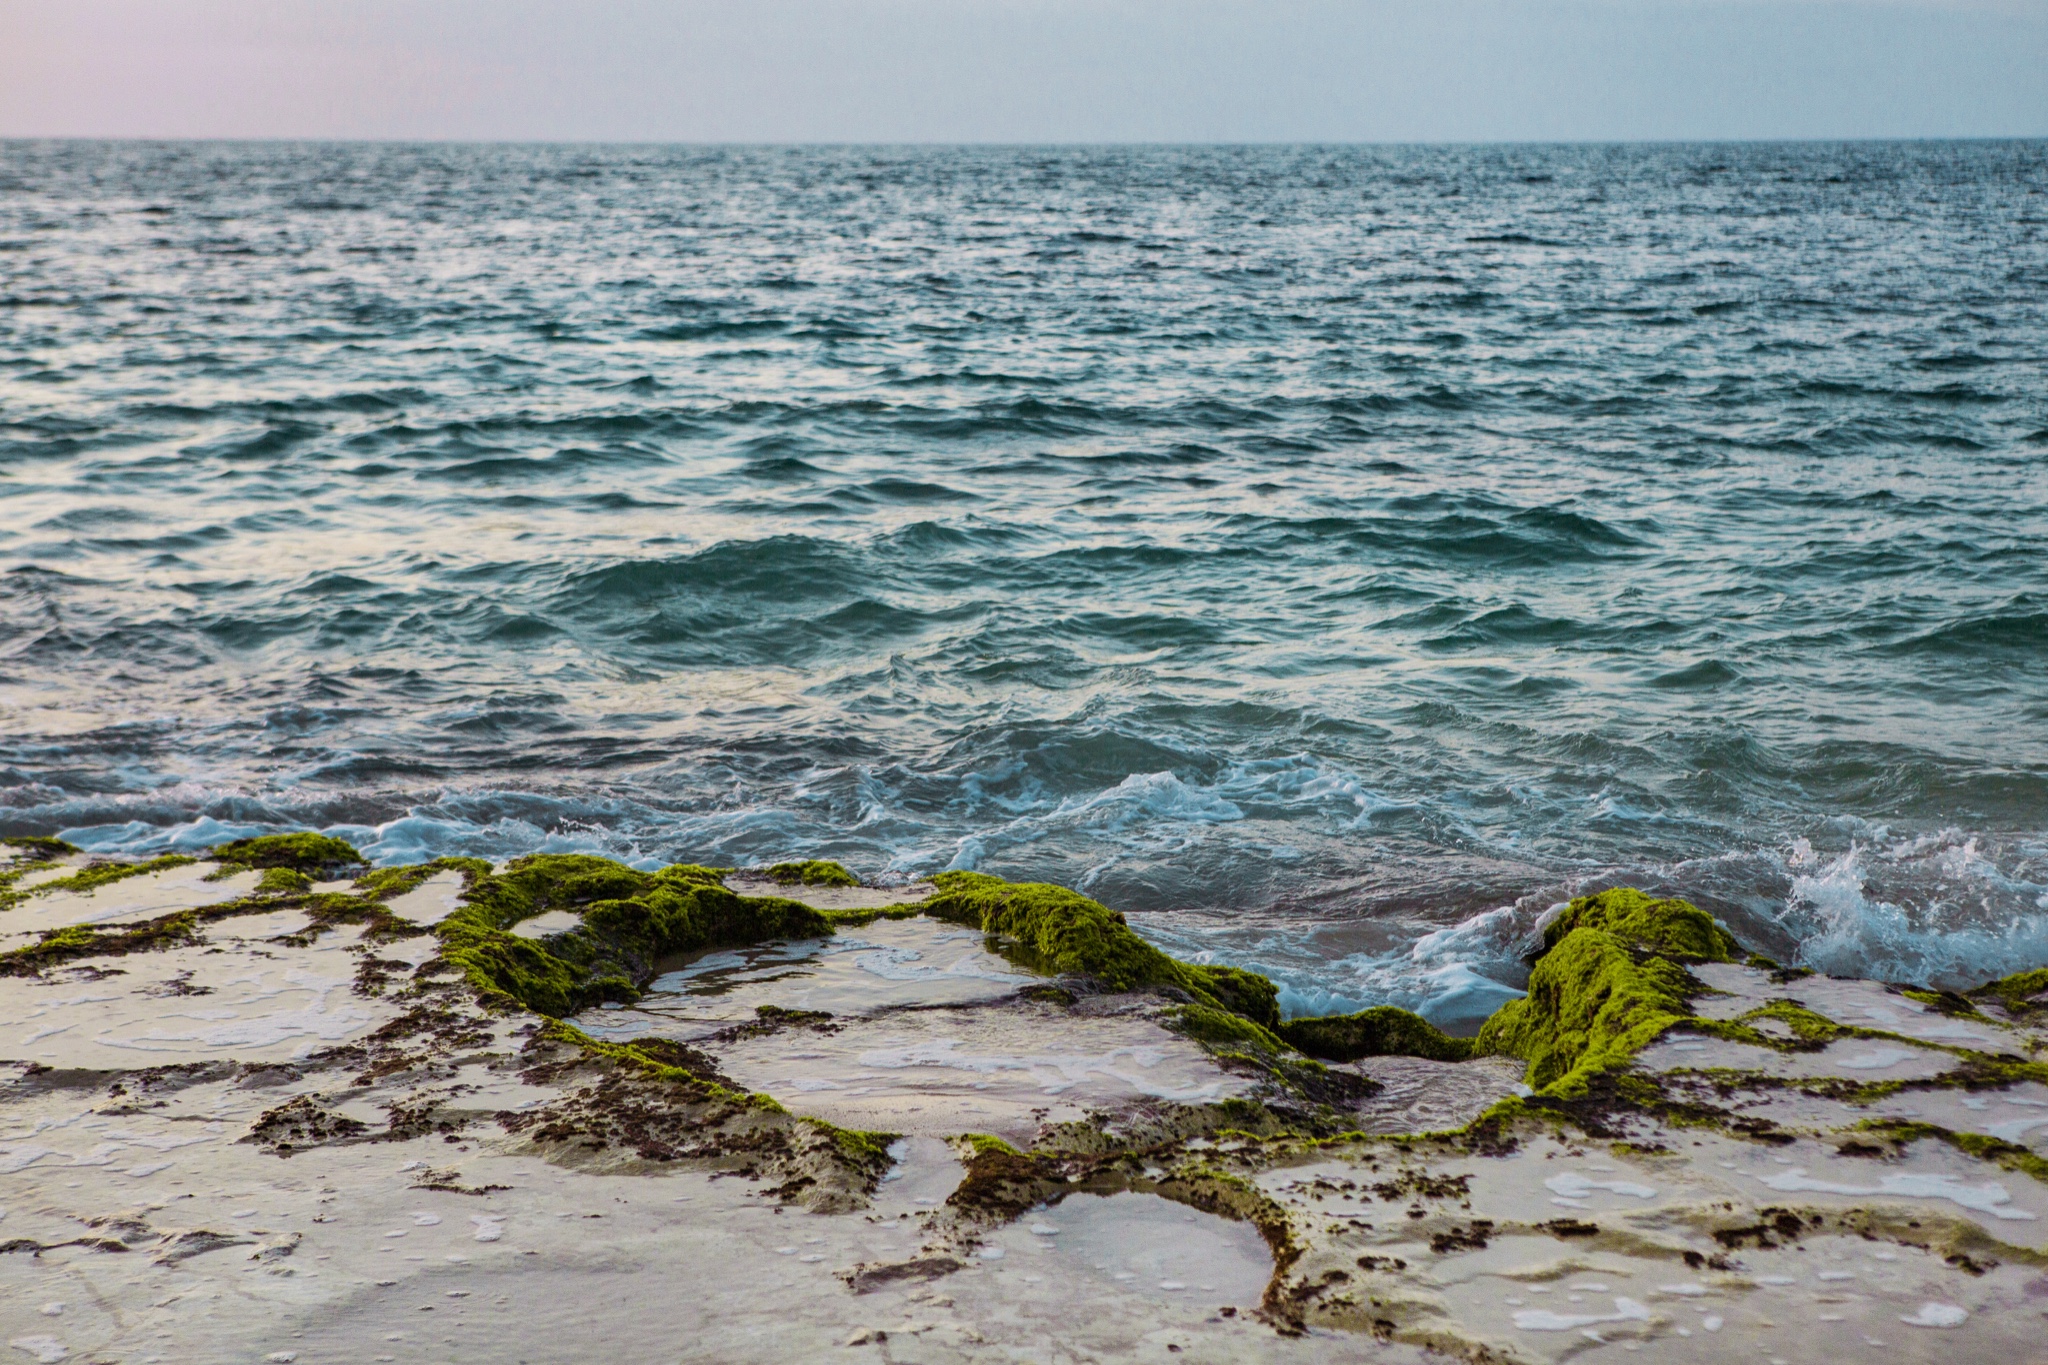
(1306, 549)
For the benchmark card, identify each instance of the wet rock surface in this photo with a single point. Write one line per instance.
(285, 1114)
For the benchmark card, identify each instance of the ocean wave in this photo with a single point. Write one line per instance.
(1957, 919)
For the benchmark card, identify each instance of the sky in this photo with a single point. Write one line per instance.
(1023, 70)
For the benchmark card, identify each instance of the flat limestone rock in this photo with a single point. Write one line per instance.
(831, 897)
(311, 1124)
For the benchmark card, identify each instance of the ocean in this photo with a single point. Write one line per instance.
(1333, 557)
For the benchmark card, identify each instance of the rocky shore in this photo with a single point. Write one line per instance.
(270, 1104)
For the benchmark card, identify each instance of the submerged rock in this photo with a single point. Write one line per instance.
(566, 1106)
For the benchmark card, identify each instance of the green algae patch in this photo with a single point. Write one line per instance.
(1674, 929)
(971, 1145)
(1054, 930)
(1593, 1003)
(90, 879)
(1216, 1028)
(811, 872)
(60, 946)
(283, 881)
(40, 846)
(383, 883)
(632, 920)
(313, 855)
(14, 872)
(1811, 1031)
(1379, 1032)
(859, 1145)
(2023, 995)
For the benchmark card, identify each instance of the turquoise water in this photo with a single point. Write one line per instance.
(1333, 556)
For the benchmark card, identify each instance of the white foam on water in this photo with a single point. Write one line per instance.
(1954, 937)
(1448, 976)
(1991, 1198)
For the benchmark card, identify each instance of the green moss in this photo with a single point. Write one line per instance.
(694, 872)
(631, 921)
(1810, 1031)
(283, 880)
(90, 879)
(1592, 1004)
(1674, 929)
(1380, 1032)
(2021, 995)
(1949, 1003)
(40, 846)
(557, 1031)
(1220, 1028)
(865, 1150)
(384, 883)
(59, 946)
(1241, 992)
(812, 872)
(13, 873)
(1055, 930)
(312, 854)
(984, 1144)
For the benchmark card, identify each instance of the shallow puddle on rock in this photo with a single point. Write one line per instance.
(227, 999)
(1143, 1244)
(1420, 1096)
(946, 1071)
(432, 901)
(549, 922)
(884, 965)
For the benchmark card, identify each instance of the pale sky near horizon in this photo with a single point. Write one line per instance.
(1023, 70)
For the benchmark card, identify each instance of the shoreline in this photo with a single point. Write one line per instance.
(1663, 1111)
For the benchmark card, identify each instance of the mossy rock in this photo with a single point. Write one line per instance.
(1669, 928)
(1054, 930)
(813, 872)
(1379, 1032)
(1242, 992)
(2021, 995)
(40, 846)
(1593, 1003)
(314, 855)
(93, 876)
(631, 921)
(283, 881)
(1222, 1029)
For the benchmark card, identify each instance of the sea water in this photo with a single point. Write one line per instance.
(1333, 557)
